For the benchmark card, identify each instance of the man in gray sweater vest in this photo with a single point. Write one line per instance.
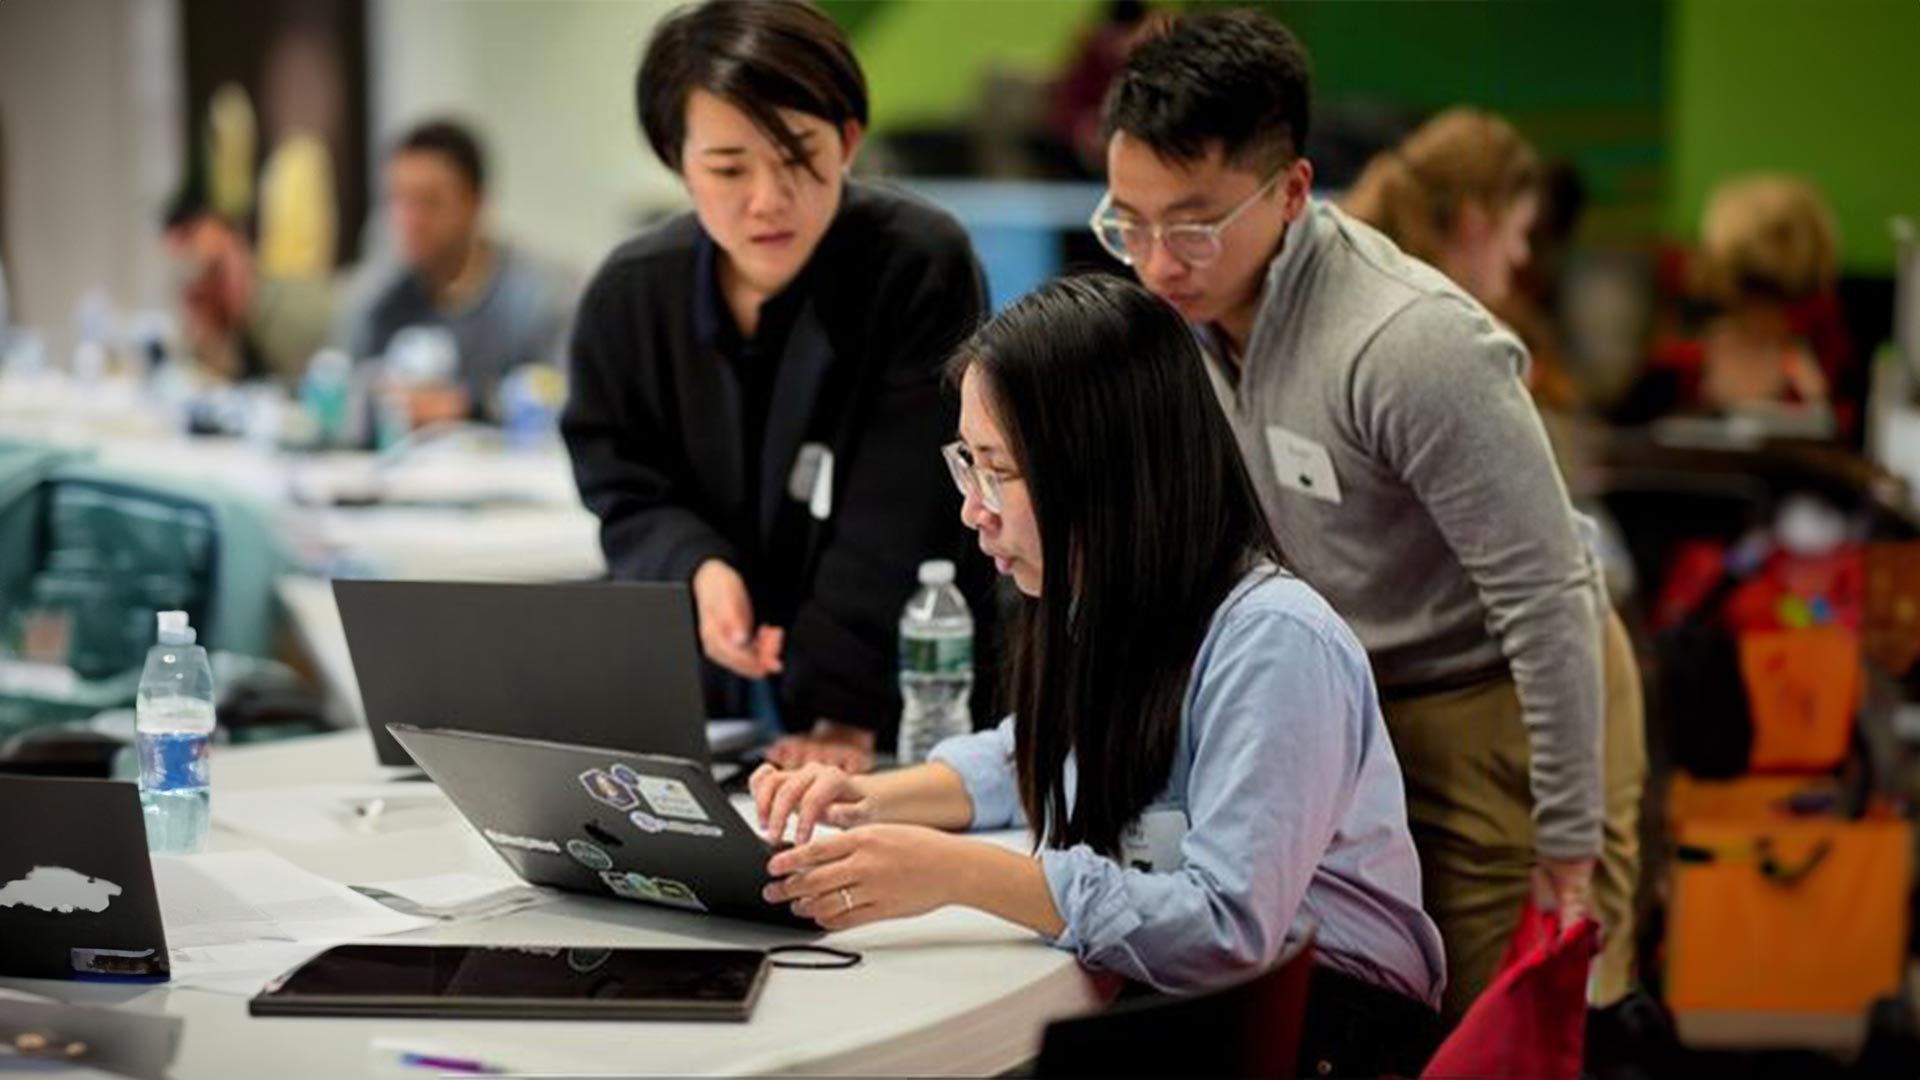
(1383, 418)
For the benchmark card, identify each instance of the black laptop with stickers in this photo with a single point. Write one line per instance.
(76, 887)
(641, 827)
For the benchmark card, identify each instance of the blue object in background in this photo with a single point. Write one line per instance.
(1015, 225)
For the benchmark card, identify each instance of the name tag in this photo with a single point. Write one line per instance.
(1302, 465)
(811, 481)
(1152, 843)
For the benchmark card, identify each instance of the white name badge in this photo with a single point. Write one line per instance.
(811, 481)
(1152, 843)
(1302, 465)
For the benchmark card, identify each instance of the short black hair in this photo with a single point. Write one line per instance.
(760, 56)
(1235, 78)
(453, 141)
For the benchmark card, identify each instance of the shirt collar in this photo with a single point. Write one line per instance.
(1279, 283)
(713, 325)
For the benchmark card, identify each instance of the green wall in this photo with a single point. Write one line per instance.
(1829, 91)
(925, 58)
(1654, 100)
(1583, 81)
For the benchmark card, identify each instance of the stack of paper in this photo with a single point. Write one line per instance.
(237, 919)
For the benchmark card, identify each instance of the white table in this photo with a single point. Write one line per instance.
(955, 992)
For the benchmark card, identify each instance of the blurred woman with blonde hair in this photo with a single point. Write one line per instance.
(1461, 194)
(1767, 248)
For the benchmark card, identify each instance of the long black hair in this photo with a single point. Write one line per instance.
(1147, 520)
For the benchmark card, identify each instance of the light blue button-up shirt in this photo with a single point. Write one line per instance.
(1294, 813)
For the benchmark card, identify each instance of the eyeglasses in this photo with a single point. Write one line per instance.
(1194, 243)
(975, 481)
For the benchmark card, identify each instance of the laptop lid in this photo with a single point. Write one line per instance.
(604, 822)
(76, 887)
(604, 664)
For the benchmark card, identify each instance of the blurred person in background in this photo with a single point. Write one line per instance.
(1464, 193)
(501, 308)
(1760, 331)
(1382, 414)
(238, 324)
(1767, 264)
(1461, 194)
(755, 400)
(1073, 113)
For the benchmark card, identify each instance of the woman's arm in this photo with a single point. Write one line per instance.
(897, 871)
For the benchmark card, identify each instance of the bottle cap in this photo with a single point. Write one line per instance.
(936, 572)
(174, 629)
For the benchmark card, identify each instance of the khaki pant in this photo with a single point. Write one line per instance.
(1464, 755)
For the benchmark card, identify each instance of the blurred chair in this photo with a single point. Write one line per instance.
(87, 555)
(1252, 1028)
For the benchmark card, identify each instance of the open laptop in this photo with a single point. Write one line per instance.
(608, 822)
(604, 664)
(76, 887)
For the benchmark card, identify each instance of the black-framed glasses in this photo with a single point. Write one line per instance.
(975, 481)
(1195, 243)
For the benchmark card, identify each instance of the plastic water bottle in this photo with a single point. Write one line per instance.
(936, 664)
(326, 390)
(174, 720)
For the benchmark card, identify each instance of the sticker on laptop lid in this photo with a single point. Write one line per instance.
(670, 798)
(604, 788)
(589, 856)
(58, 890)
(588, 961)
(624, 773)
(521, 843)
(647, 823)
(120, 963)
(676, 894)
(629, 886)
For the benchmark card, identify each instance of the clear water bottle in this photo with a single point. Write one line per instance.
(936, 664)
(174, 712)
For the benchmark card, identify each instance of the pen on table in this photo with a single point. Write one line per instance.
(368, 812)
(450, 1064)
(416, 1056)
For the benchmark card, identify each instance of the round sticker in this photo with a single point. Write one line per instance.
(589, 856)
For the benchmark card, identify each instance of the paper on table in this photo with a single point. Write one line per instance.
(461, 895)
(248, 915)
(240, 969)
(329, 813)
(229, 897)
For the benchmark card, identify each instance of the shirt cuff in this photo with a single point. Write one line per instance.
(1090, 893)
(986, 771)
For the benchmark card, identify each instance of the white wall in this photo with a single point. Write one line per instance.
(90, 106)
(548, 85)
(91, 98)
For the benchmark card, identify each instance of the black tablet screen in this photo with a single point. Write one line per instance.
(448, 972)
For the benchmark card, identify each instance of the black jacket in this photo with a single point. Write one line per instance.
(654, 426)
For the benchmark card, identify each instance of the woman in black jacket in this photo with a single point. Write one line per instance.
(756, 404)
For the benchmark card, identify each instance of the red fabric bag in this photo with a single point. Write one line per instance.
(1531, 1022)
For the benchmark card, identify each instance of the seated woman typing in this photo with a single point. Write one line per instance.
(1195, 731)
